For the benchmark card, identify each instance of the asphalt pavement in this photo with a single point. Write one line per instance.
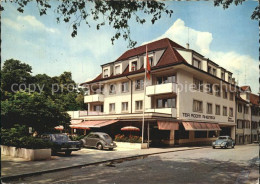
(207, 165)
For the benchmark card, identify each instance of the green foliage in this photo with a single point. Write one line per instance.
(132, 139)
(15, 72)
(19, 137)
(33, 110)
(77, 137)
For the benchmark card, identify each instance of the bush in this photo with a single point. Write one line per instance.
(18, 137)
(77, 137)
(132, 139)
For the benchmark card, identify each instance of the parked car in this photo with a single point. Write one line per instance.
(62, 143)
(223, 142)
(98, 140)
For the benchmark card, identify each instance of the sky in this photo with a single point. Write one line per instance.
(228, 37)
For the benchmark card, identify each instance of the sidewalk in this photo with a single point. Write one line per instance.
(18, 167)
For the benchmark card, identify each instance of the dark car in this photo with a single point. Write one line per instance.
(62, 143)
(223, 142)
(98, 140)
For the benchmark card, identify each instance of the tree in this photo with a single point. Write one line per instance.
(226, 3)
(114, 13)
(33, 110)
(15, 72)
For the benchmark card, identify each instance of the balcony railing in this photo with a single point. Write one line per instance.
(161, 89)
(94, 98)
(171, 111)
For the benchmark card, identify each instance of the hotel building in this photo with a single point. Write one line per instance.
(189, 99)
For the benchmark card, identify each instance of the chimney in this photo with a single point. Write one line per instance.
(187, 45)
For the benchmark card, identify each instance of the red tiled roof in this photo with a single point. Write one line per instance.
(254, 99)
(159, 44)
(170, 56)
(245, 88)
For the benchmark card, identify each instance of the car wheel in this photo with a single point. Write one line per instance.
(226, 146)
(233, 146)
(213, 147)
(68, 153)
(111, 149)
(99, 146)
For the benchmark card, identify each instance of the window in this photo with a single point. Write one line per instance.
(139, 84)
(224, 111)
(198, 84)
(209, 108)
(200, 134)
(134, 66)
(117, 70)
(196, 63)
(222, 75)
(217, 91)
(139, 105)
(166, 79)
(245, 109)
(231, 112)
(124, 106)
(217, 109)
(197, 106)
(112, 107)
(166, 103)
(214, 72)
(231, 96)
(98, 108)
(239, 109)
(99, 90)
(151, 61)
(212, 134)
(225, 94)
(229, 79)
(209, 69)
(239, 124)
(125, 86)
(105, 73)
(209, 88)
(112, 89)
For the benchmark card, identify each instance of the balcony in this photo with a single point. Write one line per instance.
(161, 89)
(171, 111)
(94, 98)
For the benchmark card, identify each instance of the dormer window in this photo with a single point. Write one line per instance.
(229, 79)
(117, 70)
(222, 75)
(196, 63)
(214, 72)
(105, 73)
(209, 69)
(134, 66)
(151, 61)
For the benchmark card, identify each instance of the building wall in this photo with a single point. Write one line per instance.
(185, 102)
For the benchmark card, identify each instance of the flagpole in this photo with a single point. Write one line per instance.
(144, 96)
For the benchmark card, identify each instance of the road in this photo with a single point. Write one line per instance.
(193, 166)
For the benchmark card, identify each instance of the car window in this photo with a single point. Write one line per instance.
(95, 136)
(90, 135)
(222, 138)
(60, 137)
(106, 136)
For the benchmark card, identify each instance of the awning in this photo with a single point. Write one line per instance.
(196, 126)
(93, 124)
(76, 121)
(166, 125)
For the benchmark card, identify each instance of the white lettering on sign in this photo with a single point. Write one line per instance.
(197, 116)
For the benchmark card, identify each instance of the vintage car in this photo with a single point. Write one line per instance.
(98, 140)
(223, 142)
(62, 143)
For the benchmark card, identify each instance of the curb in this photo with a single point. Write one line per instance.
(8, 178)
